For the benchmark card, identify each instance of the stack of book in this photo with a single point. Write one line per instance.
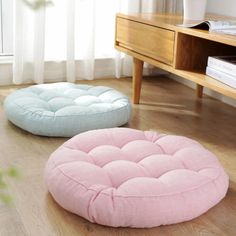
(222, 68)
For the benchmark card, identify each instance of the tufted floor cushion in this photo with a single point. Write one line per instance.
(130, 178)
(66, 109)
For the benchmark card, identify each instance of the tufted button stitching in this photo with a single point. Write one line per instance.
(103, 173)
(64, 93)
(139, 163)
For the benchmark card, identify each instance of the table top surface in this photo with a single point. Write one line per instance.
(171, 22)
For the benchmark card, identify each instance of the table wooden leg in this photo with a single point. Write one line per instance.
(137, 79)
(199, 90)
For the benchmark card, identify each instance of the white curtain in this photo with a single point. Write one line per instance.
(73, 39)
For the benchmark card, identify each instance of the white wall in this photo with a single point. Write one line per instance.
(223, 7)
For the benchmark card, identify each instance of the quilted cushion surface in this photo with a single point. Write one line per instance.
(66, 109)
(130, 178)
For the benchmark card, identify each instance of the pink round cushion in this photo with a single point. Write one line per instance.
(130, 178)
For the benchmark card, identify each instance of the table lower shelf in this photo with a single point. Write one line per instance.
(206, 81)
(198, 77)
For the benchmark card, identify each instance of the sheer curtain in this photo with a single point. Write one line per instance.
(73, 39)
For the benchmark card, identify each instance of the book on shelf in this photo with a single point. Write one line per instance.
(221, 76)
(221, 26)
(226, 64)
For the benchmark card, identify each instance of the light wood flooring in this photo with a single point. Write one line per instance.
(166, 106)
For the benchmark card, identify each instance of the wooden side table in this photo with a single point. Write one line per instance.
(157, 40)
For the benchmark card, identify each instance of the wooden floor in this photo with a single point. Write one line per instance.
(165, 106)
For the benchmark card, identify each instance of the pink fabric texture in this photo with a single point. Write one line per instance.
(130, 178)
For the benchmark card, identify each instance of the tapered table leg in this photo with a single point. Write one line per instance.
(199, 90)
(137, 79)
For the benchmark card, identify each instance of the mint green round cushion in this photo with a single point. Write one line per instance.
(66, 109)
